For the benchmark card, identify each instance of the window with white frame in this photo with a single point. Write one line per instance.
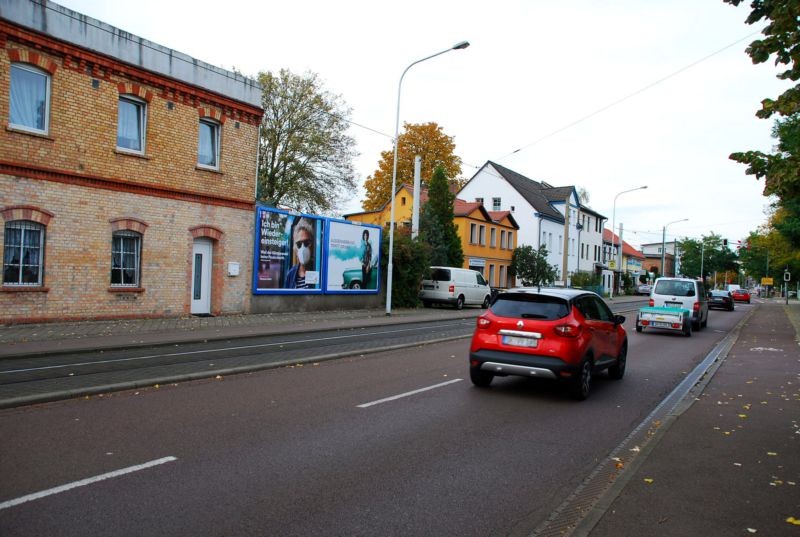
(560, 244)
(208, 148)
(491, 274)
(482, 235)
(501, 282)
(126, 247)
(131, 124)
(549, 242)
(510, 240)
(29, 98)
(473, 230)
(495, 204)
(23, 253)
(502, 238)
(493, 237)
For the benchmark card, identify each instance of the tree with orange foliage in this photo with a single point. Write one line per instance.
(427, 140)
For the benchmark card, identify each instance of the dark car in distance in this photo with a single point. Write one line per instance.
(721, 300)
(552, 333)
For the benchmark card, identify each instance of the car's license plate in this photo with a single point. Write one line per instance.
(661, 324)
(672, 304)
(520, 341)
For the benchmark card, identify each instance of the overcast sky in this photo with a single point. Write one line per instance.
(604, 95)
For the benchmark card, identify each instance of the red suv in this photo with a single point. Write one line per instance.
(741, 295)
(565, 334)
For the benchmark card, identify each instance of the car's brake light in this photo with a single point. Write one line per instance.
(652, 303)
(567, 330)
(451, 289)
(696, 306)
(484, 322)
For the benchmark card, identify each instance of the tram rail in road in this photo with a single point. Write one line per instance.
(48, 377)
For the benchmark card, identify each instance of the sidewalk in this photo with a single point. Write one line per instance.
(730, 463)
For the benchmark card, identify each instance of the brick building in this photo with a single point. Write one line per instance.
(127, 173)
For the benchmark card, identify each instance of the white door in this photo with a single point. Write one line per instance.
(201, 277)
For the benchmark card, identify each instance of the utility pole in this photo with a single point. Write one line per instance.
(565, 256)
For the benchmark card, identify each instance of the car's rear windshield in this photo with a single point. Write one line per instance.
(719, 293)
(530, 306)
(440, 274)
(675, 288)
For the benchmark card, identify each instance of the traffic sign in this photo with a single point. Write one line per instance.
(766, 281)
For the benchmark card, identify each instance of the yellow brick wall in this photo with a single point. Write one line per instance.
(82, 137)
(78, 254)
(76, 173)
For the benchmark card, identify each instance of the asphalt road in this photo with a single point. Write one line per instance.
(394, 443)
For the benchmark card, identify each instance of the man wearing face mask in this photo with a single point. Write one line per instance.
(300, 276)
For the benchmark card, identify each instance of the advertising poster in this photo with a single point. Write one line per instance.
(353, 254)
(287, 252)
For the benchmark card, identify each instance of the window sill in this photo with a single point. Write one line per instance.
(200, 167)
(126, 289)
(24, 289)
(125, 153)
(35, 134)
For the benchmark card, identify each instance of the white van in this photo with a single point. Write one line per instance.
(683, 293)
(455, 286)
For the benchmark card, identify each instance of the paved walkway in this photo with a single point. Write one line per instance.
(729, 464)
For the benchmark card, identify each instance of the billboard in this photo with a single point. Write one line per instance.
(302, 254)
(353, 255)
(288, 252)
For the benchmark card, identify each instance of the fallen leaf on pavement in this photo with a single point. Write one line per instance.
(648, 480)
(772, 454)
(752, 530)
(793, 520)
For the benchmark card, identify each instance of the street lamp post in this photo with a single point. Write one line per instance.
(613, 233)
(663, 242)
(457, 46)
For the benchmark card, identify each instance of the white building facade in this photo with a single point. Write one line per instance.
(546, 215)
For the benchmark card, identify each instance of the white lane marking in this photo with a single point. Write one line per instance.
(84, 482)
(414, 392)
(209, 351)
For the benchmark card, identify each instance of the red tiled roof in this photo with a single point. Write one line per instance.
(627, 249)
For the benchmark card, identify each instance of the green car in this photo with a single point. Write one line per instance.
(351, 279)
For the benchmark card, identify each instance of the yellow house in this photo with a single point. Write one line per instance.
(488, 238)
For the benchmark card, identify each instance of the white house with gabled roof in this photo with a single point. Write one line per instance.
(545, 214)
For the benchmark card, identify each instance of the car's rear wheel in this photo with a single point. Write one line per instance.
(582, 385)
(687, 330)
(460, 302)
(481, 379)
(639, 328)
(617, 371)
(486, 302)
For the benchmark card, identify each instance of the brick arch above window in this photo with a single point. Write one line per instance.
(210, 232)
(26, 212)
(127, 88)
(33, 58)
(211, 113)
(128, 224)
